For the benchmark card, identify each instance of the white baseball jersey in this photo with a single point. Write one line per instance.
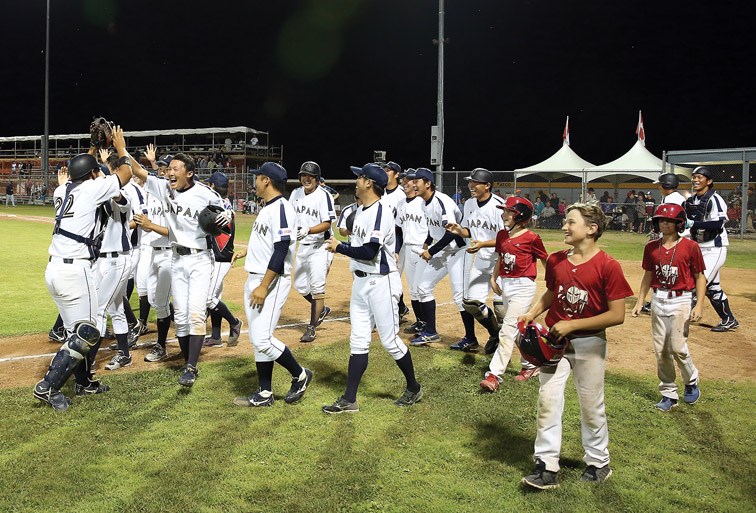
(439, 211)
(716, 210)
(157, 215)
(341, 223)
(312, 209)
(182, 209)
(79, 215)
(392, 198)
(484, 221)
(410, 217)
(674, 197)
(116, 235)
(138, 201)
(374, 224)
(274, 223)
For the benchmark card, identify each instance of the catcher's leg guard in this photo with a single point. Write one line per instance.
(74, 349)
(719, 301)
(482, 314)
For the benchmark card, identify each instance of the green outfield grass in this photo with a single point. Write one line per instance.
(150, 446)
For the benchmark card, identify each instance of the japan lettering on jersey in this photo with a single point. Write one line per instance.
(157, 216)
(673, 268)
(410, 217)
(519, 255)
(116, 236)
(439, 211)
(484, 221)
(274, 223)
(182, 209)
(708, 207)
(392, 198)
(374, 224)
(584, 290)
(79, 215)
(313, 209)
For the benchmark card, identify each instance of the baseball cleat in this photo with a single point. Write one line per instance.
(298, 387)
(132, 343)
(465, 345)
(593, 474)
(692, 394)
(666, 404)
(188, 375)
(94, 387)
(55, 398)
(728, 325)
(409, 398)
(646, 308)
(233, 334)
(415, 328)
(57, 336)
(156, 354)
(256, 400)
(134, 333)
(140, 328)
(323, 315)
(425, 338)
(118, 361)
(212, 342)
(341, 406)
(541, 478)
(491, 383)
(526, 374)
(309, 334)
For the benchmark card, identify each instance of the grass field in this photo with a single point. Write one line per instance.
(149, 446)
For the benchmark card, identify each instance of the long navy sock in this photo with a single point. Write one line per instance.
(123, 342)
(402, 306)
(308, 297)
(357, 365)
(265, 375)
(184, 345)
(58, 323)
(429, 316)
(417, 309)
(144, 309)
(130, 317)
(225, 313)
(469, 321)
(129, 288)
(162, 329)
(288, 362)
(215, 322)
(195, 346)
(408, 369)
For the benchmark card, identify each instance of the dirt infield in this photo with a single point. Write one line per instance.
(717, 355)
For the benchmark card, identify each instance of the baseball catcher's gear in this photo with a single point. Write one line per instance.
(310, 168)
(100, 133)
(522, 208)
(672, 212)
(703, 170)
(668, 181)
(480, 175)
(214, 220)
(75, 348)
(538, 346)
(81, 165)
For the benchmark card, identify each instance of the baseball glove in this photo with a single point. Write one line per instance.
(101, 133)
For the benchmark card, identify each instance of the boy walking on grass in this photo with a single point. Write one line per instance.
(586, 291)
(674, 267)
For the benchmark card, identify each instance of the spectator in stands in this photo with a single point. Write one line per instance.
(591, 198)
(549, 216)
(537, 210)
(604, 198)
(608, 205)
(751, 208)
(9, 197)
(561, 211)
(457, 197)
(630, 198)
(554, 201)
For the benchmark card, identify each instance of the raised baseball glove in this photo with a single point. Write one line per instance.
(101, 133)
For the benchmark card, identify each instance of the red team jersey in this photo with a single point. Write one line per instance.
(519, 255)
(673, 268)
(583, 290)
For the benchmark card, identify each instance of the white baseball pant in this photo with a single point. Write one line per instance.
(517, 297)
(670, 321)
(586, 357)
(159, 281)
(412, 264)
(220, 270)
(262, 321)
(311, 269)
(376, 293)
(112, 277)
(190, 285)
(74, 289)
(448, 261)
(142, 279)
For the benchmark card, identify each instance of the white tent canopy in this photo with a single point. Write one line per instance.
(637, 162)
(564, 161)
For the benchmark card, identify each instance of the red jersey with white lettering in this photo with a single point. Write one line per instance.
(673, 268)
(583, 290)
(519, 255)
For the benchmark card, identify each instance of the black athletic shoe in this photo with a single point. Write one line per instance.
(414, 328)
(409, 398)
(298, 387)
(94, 387)
(256, 400)
(594, 474)
(57, 336)
(188, 375)
(728, 325)
(491, 345)
(541, 478)
(323, 315)
(341, 406)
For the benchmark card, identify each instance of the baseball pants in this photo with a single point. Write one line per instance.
(190, 285)
(220, 270)
(477, 282)
(586, 357)
(372, 295)
(159, 281)
(311, 269)
(412, 264)
(262, 321)
(670, 321)
(112, 276)
(142, 278)
(517, 297)
(451, 262)
(74, 290)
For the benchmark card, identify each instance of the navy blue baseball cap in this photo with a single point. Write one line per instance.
(219, 179)
(393, 166)
(274, 171)
(164, 160)
(424, 173)
(372, 171)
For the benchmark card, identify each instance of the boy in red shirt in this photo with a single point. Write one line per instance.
(674, 267)
(513, 279)
(586, 291)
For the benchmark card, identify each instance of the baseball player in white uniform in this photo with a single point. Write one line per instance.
(707, 214)
(481, 222)
(183, 199)
(411, 233)
(70, 272)
(315, 213)
(346, 219)
(375, 289)
(393, 194)
(269, 265)
(445, 255)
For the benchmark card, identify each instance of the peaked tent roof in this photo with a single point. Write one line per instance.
(638, 161)
(564, 161)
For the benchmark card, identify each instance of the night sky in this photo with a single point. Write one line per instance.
(333, 80)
